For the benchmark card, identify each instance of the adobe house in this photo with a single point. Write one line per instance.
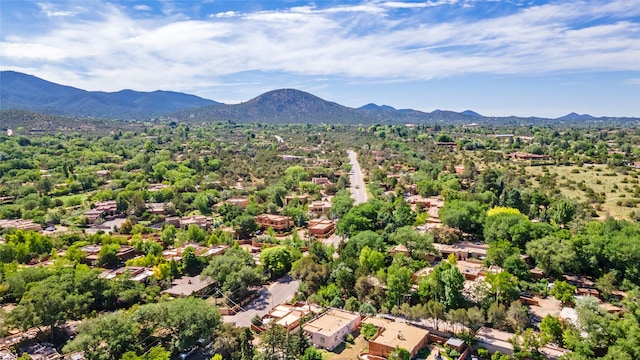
(392, 335)
(277, 222)
(321, 228)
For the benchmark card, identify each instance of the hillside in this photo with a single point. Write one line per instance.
(27, 92)
(279, 106)
(28, 122)
(295, 106)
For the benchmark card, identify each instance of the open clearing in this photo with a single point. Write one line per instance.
(615, 188)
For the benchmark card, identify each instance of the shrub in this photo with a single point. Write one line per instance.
(369, 331)
(350, 339)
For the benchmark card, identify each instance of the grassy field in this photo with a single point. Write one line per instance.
(617, 190)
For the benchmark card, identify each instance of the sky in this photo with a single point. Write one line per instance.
(498, 58)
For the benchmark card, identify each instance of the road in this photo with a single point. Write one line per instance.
(358, 189)
(278, 292)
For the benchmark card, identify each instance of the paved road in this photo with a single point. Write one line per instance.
(358, 189)
(271, 295)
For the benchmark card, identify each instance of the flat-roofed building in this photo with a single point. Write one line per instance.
(289, 315)
(463, 250)
(319, 208)
(392, 334)
(321, 228)
(184, 222)
(189, 285)
(277, 222)
(329, 329)
(239, 202)
(20, 224)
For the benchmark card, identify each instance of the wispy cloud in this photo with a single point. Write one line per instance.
(142, 7)
(367, 40)
(51, 11)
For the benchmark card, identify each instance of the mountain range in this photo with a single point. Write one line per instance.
(27, 92)
(24, 92)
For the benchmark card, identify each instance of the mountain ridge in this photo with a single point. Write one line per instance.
(28, 92)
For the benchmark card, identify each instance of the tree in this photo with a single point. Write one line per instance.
(229, 212)
(181, 322)
(419, 245)
(445, 284)
(551, 329)
(341, 203)
(106, 337)
(399, 354)
(504, 285)
(108, 255)
(467, 216)
(553, 255)
(371, 260)
(367, 309)
(244, 226)
(191, 264)
(246, 344)
(196, 234)
(398, 284)
(436, 311)
(311, 273)
(517, 316)
(277, 260)
(311, 353)
(475, 319)
(497, 315)
(526, 344)
(352, 304)
(53, 300)
(563, 212)
(563, 291)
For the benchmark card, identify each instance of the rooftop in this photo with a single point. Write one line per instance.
(330, 322)
(396, 334)
(188, 285)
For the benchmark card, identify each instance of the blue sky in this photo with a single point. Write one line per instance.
(499, 58)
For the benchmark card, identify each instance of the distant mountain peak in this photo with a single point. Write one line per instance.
(470, 113)
(375, 107)
(576, 116)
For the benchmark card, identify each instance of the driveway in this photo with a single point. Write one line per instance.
(278, 292)
(358, 189)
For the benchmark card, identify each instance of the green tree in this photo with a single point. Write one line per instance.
(551, 329)
(108, 255)
(311, 353)
(371, 260)
(517, 316)
(398, 284)
(181, 322)
(467, 216)
(244, 226)
(399, 354)
(277, 259)
(563, 291)
(106, 337)
(553, 255)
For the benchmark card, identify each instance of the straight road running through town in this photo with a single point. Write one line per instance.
(358, 189)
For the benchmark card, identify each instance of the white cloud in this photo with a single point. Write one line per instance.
(112, 51)
(50, 11)
(142, 7)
